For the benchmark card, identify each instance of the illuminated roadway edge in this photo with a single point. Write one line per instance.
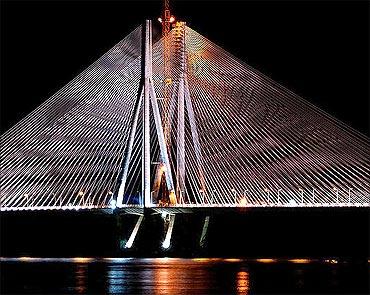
(211, 209)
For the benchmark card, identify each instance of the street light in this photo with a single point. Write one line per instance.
(113, 203)
(243, 202)
(245, 195)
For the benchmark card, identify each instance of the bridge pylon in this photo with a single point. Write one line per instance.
(147, 100)
(146, 97)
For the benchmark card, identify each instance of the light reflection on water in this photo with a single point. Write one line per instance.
(83, 275)
(242, 282)
(116, 278)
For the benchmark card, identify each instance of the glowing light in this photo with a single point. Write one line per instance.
(160, 19)
(167, 241)
(80, 193)
(172, 197)
(201, 259)
(113, 204)
(116, 259)
(243, 202)
(206, 259)
(172, 19)
(25, 258)
(134, 232)
(331, 261)
(292, 203)
(300, 260)
(166, 244)
(82, 259)
(266, 260)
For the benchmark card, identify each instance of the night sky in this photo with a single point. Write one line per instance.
(319, 50)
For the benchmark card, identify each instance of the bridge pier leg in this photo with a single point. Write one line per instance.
(134, 232)
(203, 236)
(167, 241)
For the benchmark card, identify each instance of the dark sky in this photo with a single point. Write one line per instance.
(320, 50)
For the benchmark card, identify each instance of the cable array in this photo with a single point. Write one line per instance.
(67, 153)
(248, 140)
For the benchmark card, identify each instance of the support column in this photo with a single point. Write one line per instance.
(130, 144)
(167, 241)
(181, 64)
(203, 236)
(161, 140)
(134, 232)
(181, 142)
(146, 117)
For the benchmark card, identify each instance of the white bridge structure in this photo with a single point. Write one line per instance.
(224, 136)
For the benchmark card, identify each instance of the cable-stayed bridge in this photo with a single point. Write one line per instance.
(214, 133)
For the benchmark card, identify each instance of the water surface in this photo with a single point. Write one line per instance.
(181, 276)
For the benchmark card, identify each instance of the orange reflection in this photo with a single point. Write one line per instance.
(300, 260)
(25, 258)
(232, 260)
(82, 259)
(176, 275)
(164, 279)
(242, 282)
(205, 260)
(81, 275)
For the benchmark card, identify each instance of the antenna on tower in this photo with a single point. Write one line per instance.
(167, 19)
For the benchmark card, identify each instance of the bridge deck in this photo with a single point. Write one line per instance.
(190, 208)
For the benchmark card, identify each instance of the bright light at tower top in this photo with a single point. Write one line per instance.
(171, 19)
